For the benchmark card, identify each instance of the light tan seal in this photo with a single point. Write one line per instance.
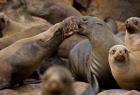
(125, 67)
(132, 37)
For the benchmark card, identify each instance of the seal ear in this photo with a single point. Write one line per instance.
(111, 24)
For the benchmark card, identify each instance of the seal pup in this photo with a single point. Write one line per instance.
(57, 80)
(124, 65)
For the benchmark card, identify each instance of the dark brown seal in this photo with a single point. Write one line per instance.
(57, 81)
(24, 56)
(89, 59)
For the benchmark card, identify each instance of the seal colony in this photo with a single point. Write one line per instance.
(85, 45)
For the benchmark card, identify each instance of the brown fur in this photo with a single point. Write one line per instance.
(16, 23)
(53, 11)
(89, 60)
(125, 66)
(132, 37)
(10, 39)
(17, 19)
(57, 81)
(24, 56)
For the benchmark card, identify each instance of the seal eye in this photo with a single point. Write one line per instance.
(84, 20)
(113, 51)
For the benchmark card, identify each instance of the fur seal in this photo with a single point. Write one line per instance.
(16, 18)
(53, 11)
(20, 26)
(32, 31)
(121, 61)
(24, 56)
(132, 37)
(95, 63)
(127, 61)
(57, 80)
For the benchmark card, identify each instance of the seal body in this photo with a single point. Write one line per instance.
(53, 11)
(24, 56)
(124, 67)
(96, 59)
